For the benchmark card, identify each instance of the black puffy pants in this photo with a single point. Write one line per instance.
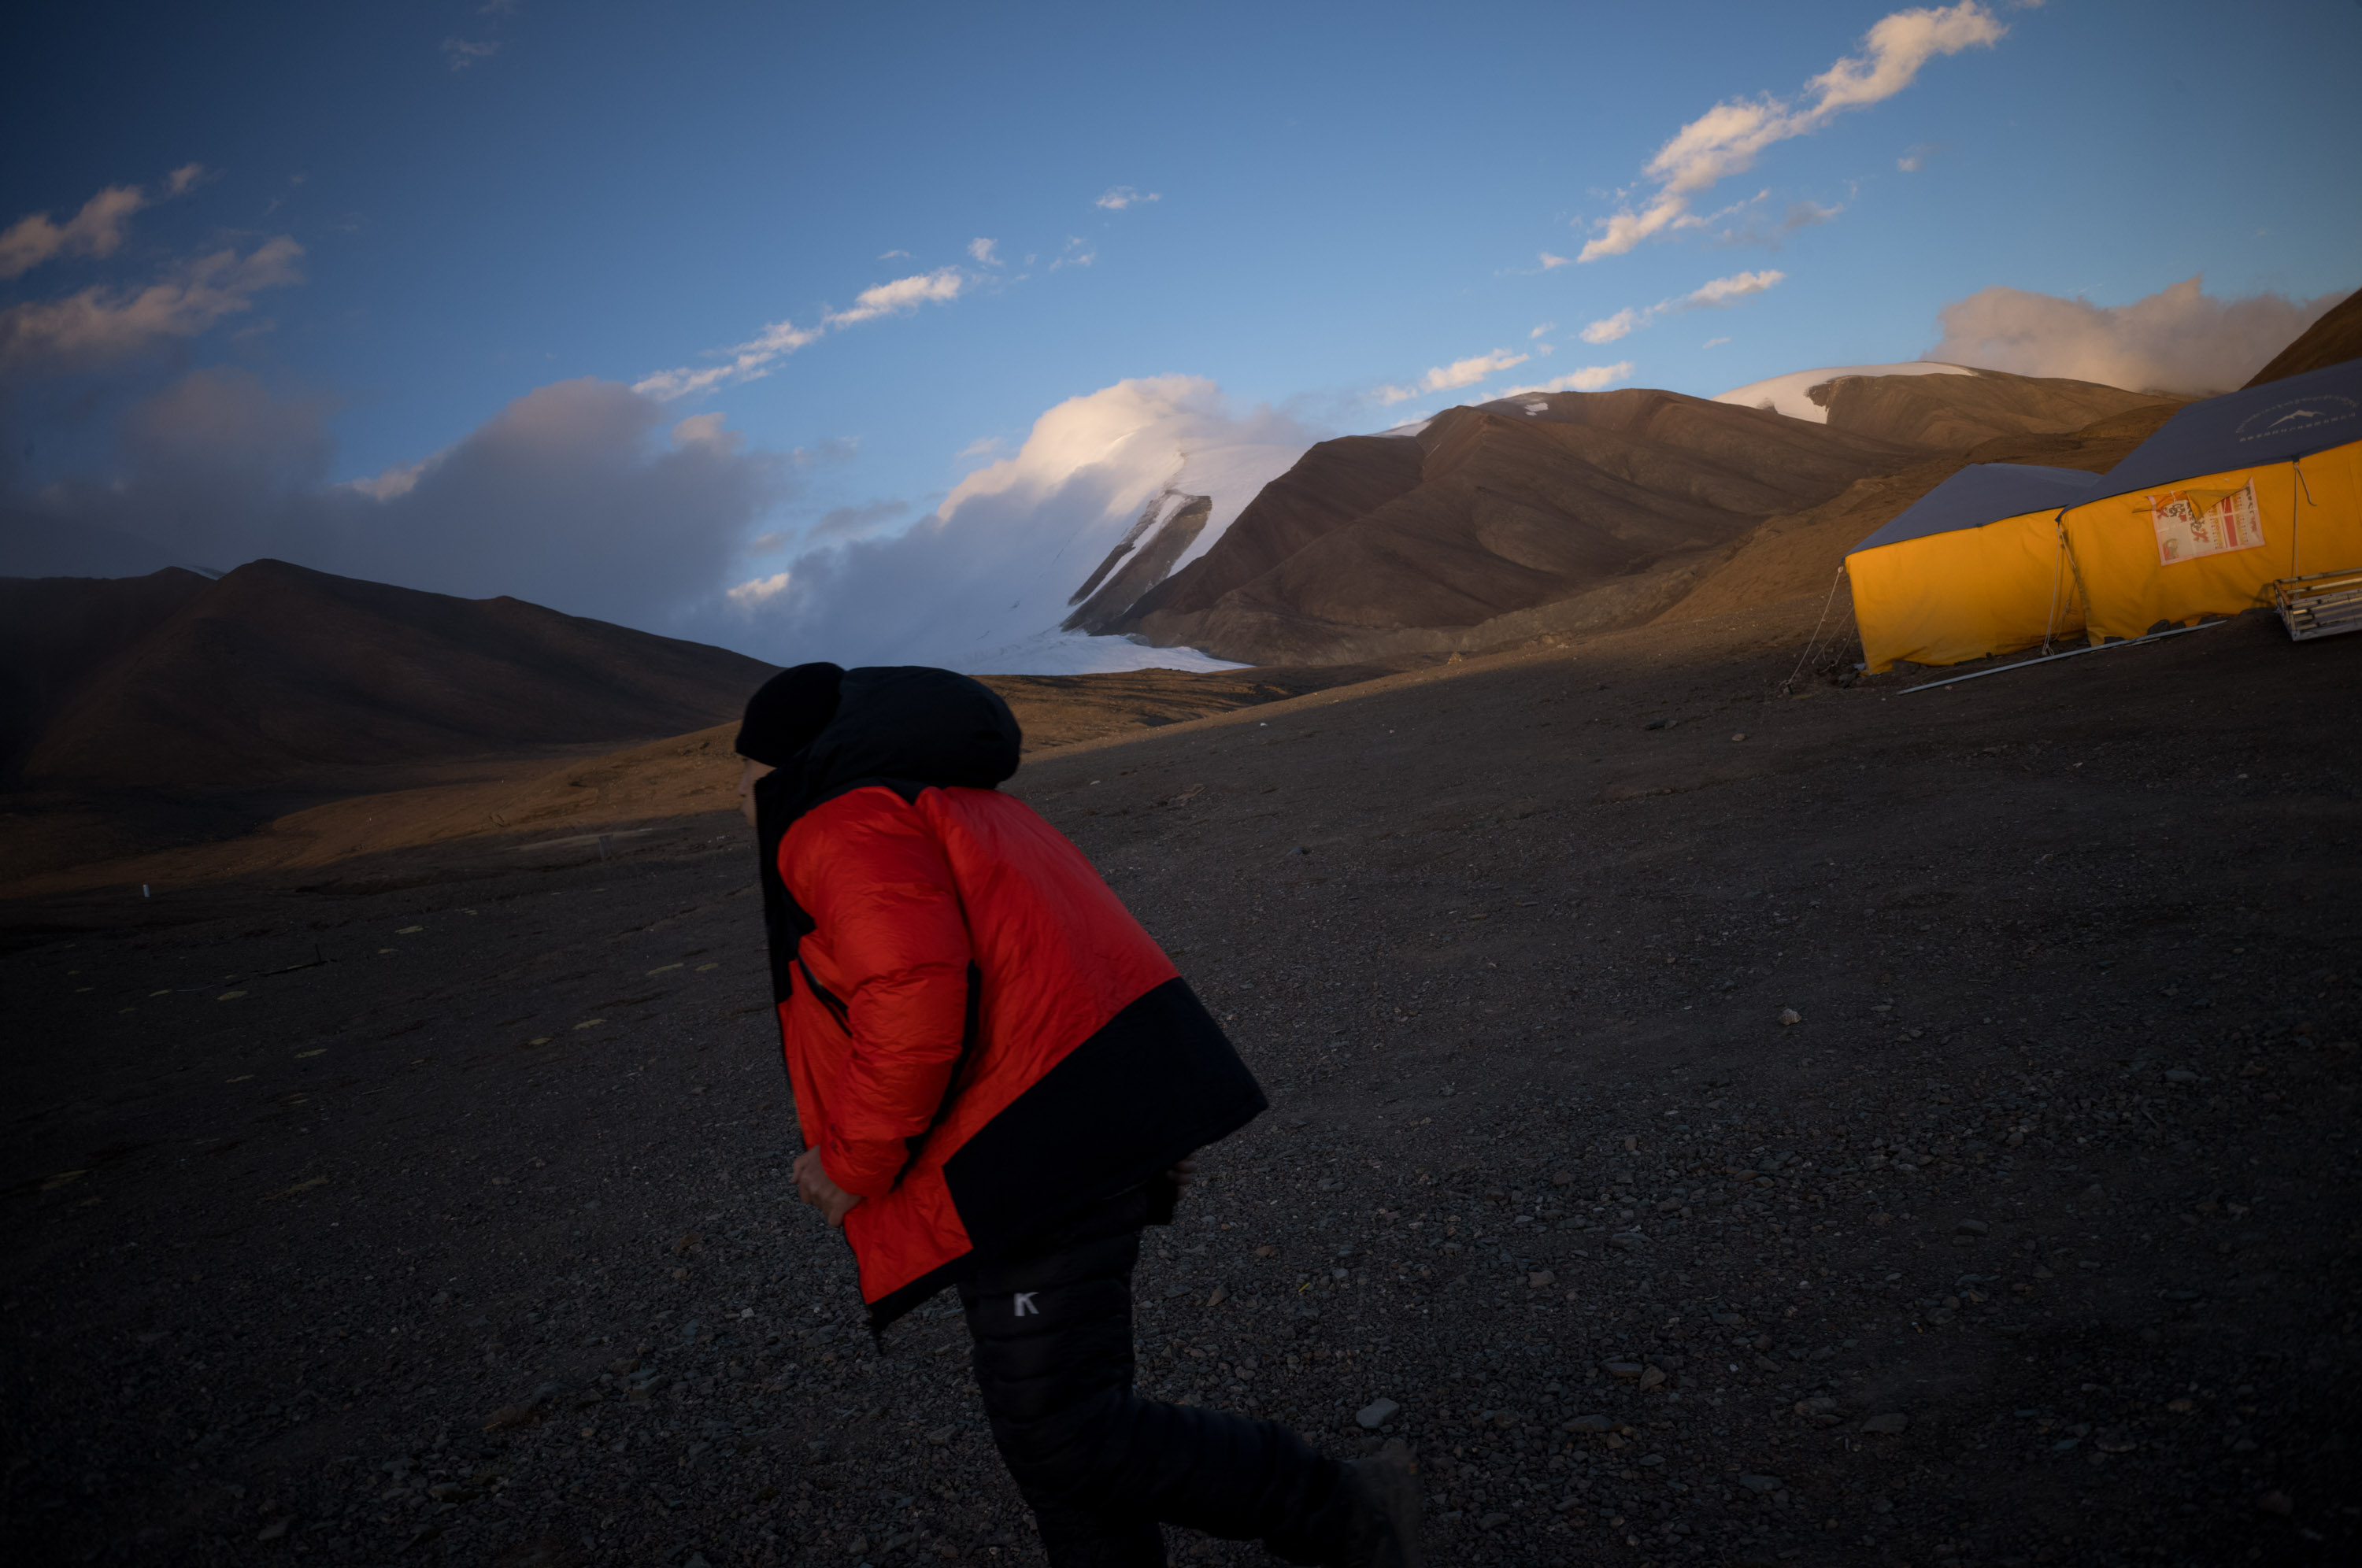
(1101, 1468)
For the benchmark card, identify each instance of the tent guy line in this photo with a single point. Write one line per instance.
(2053, 658)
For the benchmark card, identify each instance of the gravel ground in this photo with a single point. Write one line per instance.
(1916, 1132)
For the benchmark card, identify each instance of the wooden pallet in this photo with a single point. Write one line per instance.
(2321, 605)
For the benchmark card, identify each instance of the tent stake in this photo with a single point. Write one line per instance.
(2052, 658)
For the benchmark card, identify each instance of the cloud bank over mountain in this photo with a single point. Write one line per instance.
(999, 563)
(576, 496)
(2180, 339)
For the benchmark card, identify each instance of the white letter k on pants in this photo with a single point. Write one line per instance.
(1025, 1304)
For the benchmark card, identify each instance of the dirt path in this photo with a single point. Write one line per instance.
(2030, 1242)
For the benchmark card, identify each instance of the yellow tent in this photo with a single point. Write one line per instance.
(2229, 497)
(1970, 569)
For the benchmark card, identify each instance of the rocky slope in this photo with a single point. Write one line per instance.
(2334, 339)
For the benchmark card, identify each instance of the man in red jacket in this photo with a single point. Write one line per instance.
(1000, 1079)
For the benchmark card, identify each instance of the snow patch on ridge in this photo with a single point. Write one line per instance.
(1073, 653)
(1791, 395)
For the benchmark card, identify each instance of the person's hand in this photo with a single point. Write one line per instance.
(1184, 1172)
(814, 1188)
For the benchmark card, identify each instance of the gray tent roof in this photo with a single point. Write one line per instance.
(2293, 417)
(1987, 493)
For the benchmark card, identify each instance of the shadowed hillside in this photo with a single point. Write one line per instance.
(55, 631)
(276, 669)
(2334, 339)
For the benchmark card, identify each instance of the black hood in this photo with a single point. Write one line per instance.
(906, 728)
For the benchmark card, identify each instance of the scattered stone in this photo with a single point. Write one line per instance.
(1893, 1421)
(1762, 1485)
(1220, 1295)
(1377, 1413)
(1590, 1424)
(2278, 1502)
(1652, 1378)
(2180, 1076)
(1495, 1521)
(1542, 1277)
(1973, 1228)
(1790, 1015)
(1622, 1368)
(942, 1435)
(279, 1526)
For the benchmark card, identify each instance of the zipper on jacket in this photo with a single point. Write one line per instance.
(825, 997)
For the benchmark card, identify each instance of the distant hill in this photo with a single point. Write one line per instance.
(1564, 512)
(1375, 546)
(170, 681)
(55, 631)
(2334, 339)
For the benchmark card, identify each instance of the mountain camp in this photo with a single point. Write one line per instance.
(2251, 499)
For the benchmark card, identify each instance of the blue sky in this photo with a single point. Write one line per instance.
(472, 204)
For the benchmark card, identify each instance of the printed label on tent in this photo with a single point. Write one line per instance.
(2194, 523)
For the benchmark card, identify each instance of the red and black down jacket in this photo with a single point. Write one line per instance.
(981, 1038)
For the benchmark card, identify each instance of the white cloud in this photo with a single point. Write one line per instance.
(1551, 263)
(98, 325)
(1714, 293)
(1451, 378)
(982, 250)
(893, 255)
(1726, 139)
(902, 295)
(998, 559)
(1608, 328)
(1469, 371)
(1714, 342)
(1546, 327)
(982, 446)
(756, 358)
(756, 592)
(1590, 378)
(2179, 339)
(98, 229)
(1122, 196)
(1079, 252)
(462, 53)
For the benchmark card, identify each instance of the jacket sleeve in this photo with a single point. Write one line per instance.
(878, 882)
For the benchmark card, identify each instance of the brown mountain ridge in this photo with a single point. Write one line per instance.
(276, 671)
(1555, 512)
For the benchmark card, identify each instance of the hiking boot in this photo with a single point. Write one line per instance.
(1384, 1531)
